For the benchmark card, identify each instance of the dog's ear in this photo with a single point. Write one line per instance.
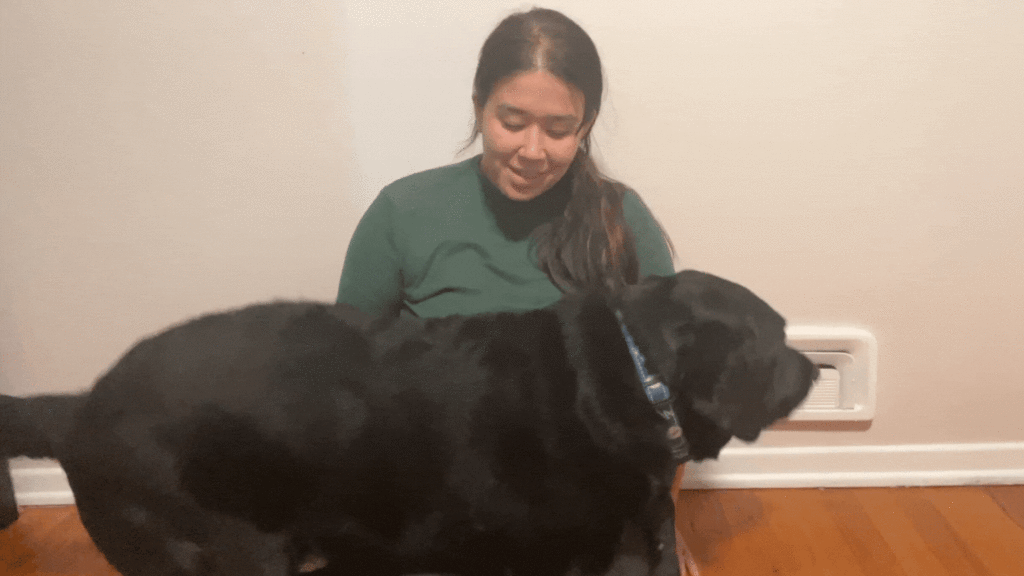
(688, 324)
(759, 391)
(661, 323)
(722, 351)
(758, 378)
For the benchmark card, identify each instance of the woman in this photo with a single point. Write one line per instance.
(529, 218)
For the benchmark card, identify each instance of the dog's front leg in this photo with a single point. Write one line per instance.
(643, 551)
(659, 530)
(665, 561)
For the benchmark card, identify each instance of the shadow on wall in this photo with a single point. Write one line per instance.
(824, 426)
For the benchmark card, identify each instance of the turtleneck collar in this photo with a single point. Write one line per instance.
(518, 218)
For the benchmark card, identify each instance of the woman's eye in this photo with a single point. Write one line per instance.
(513, 127)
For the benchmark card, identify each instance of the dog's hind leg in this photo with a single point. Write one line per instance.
(349, 557)
(166, 535)
(137, 543)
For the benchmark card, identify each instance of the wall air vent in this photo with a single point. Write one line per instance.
(847, 359)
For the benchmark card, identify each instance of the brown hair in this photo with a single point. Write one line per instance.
(589, 245)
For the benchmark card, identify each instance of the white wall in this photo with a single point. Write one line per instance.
(853, 163)
(161, 159)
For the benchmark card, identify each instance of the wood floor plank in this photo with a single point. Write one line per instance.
(868, 531)
(50, 541)
(940, 535)
(984, 531)
(919, 534)
(960, 531)
(756, 548)
(1010, 499)
(914, 556)
(805, 528)
(872, 553)
(768, 532)
(719, 526)
(701, 522)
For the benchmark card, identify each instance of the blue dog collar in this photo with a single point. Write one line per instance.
(659, 396)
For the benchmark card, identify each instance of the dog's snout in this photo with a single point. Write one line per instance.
(750, 435)
(794, 376)
(815, 371)
(792, 379)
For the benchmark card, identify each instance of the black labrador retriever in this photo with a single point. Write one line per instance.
(532, 443)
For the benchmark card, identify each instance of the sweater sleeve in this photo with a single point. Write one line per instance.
(371, 278)
(652, 250)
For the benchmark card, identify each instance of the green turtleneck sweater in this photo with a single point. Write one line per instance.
(447, 241)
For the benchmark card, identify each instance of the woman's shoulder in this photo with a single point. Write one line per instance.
(633, 206)
(427, 185)
(653, 246)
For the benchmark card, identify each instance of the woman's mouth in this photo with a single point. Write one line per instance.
(527, 178)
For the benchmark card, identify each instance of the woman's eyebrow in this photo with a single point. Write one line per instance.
(509, 109)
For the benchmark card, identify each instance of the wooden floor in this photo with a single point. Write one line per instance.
(878, 532)
(962, 531)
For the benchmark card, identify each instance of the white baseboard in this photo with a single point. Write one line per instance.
(43, 483)
(40, 483)
(860, 466)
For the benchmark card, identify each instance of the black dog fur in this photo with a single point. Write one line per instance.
(488, 445)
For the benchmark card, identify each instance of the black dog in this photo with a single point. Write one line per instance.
(524, 444)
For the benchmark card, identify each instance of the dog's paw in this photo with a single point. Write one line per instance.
(312, 562)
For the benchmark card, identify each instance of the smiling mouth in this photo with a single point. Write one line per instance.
(528, 178)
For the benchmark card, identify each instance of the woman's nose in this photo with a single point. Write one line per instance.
(533, 145)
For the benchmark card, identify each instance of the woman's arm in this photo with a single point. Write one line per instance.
(371, 278)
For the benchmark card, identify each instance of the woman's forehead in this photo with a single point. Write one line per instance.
(538, 93)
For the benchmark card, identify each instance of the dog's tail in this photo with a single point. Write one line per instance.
(33, 427)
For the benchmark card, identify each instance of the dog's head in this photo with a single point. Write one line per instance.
(722, 352)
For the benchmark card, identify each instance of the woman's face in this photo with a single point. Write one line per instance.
(531, 128)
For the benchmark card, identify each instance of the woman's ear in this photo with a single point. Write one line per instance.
(478, 111)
